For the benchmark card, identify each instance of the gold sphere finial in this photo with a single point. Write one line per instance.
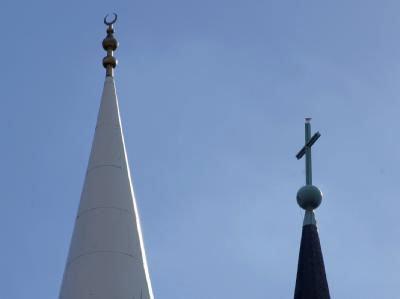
(110, 44)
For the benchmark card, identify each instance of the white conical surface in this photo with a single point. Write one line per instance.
(107, 259)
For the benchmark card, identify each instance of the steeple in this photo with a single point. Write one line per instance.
(106, 257)
(311, 282)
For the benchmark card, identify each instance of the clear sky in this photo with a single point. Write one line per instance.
(212, 95)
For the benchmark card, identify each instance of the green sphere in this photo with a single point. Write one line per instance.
(309, 197)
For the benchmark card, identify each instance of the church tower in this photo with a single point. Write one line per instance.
(106, 258)
(311, 282)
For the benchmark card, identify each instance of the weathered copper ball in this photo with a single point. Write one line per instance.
(110, 60)
(309, 197)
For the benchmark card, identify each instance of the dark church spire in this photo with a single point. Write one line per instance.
(311, 282)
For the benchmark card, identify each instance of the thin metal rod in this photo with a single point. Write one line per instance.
(308, 153)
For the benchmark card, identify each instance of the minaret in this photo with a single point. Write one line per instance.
(311, 282)
(106, 258)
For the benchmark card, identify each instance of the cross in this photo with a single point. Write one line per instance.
(306, 150)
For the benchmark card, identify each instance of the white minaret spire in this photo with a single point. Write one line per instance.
(107, 259)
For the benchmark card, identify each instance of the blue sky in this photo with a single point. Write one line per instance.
(212, 95)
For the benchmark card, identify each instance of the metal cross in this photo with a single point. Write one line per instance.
(309, 141)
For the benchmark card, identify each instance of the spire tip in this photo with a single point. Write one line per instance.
(110, 44)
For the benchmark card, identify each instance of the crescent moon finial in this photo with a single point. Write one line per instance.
(112, 21)
(110, 44)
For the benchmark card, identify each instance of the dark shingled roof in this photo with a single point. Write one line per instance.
(311, 280)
